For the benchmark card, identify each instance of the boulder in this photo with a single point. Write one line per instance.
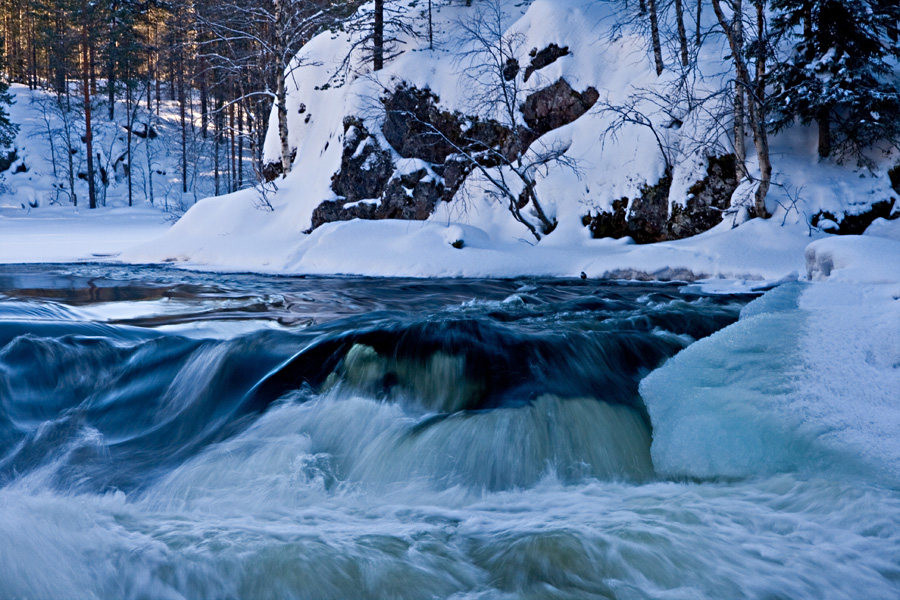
(556, 105)
(647, 219)
(543, 58)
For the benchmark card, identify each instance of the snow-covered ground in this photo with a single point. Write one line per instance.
(69, 234)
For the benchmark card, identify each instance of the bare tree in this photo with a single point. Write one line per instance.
(245, 36)
(490, 63)
(654, 37)
(60, 125)
(86, 73)
(751, 88)
(682, 33)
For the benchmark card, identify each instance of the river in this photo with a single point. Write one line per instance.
(175, 435)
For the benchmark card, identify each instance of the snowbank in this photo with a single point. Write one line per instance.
(856, 259)
(807, 379)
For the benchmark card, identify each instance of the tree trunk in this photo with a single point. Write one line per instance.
(682, 32)
(156, 71)
(204, 99)
(756, 110)
(378, 37)
(88, 134)
(32, 56)
(232, 148)
(823, 120)
(699, 27)
(93, 69)
(740, 144)
(734, 34)
(280, 84)
(217, 138)
(283, 128)
(85, 80)
(111, 67)
(654, 34)
(182, 116)
(130, 117)
(760, 133)
(149, 164)
(240, 159)
(149, 72)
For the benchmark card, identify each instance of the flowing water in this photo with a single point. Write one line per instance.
(174, 435)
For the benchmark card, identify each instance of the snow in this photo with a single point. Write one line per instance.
(68, 234)
(807, 379)
(232, 233)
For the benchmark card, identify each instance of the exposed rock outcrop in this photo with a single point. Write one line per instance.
(708, 200)
(365, 166)
(647, 218)
(371, 189)
(416, 128)
(644, 219)
(858, 223)
(544, 58)
(271, 170)
(556, 105)
(448, 146)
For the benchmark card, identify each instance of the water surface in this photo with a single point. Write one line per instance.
(174, 435)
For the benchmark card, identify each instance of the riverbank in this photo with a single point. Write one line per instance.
(73, 234)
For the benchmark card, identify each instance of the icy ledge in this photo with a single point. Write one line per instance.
(808, 379)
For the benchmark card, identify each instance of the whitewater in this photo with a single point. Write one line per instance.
(175, 435)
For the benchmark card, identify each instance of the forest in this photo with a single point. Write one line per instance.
(223, 65)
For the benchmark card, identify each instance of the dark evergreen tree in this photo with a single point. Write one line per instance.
(8, 129)
(838, 74)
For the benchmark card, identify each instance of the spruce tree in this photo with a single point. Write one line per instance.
(838, 74)
(8, 129)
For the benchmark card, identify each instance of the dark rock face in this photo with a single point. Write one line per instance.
(894, 175)
(709, 198)
(647, 220)
(416, 128)
(411, 197)
(857, 224)
(6, 160)
(272, 170)
(370, 188)
(511, 69)
(543, 58)
(644, 221)
(450, 143)
(555, 106)
(365, 167)
(334, 210)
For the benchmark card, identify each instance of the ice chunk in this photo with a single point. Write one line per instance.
(806, 381)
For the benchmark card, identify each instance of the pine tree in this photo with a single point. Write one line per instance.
(8, 129)
(838, 74)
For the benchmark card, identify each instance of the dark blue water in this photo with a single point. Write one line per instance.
(173, 435)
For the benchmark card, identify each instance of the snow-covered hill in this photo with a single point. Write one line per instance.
(606, 159)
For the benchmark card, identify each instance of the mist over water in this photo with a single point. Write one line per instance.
(175, 435)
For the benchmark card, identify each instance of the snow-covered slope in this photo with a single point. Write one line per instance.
(232, 232)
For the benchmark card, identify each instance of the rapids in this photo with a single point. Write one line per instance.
(175, 435)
